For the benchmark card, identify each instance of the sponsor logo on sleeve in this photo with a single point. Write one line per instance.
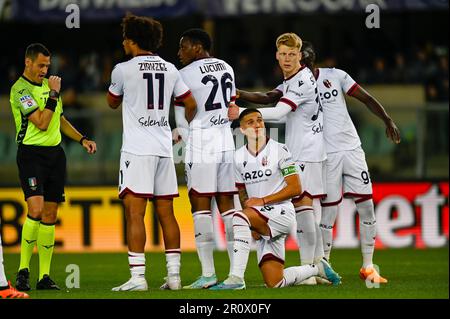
(27, 102)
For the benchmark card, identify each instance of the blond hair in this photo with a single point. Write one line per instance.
(289, 39)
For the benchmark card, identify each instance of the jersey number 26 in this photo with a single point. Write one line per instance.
(225, 84)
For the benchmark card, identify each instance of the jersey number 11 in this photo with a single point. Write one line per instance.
(150, 94)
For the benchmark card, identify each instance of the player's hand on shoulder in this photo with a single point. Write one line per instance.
(233, 111)
(89, 146)
(54, 83)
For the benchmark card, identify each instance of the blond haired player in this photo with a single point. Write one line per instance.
(346, 164)
(300, 104)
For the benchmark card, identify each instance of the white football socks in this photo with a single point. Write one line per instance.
(367, 230)
(241, 247)
(318, 252)
(204, 240)
(306, 233)
(295, 275)
(136, 262)
(329, 214)
(173, 262)
(228, 223)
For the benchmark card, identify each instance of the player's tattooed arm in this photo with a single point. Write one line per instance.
(243, 196)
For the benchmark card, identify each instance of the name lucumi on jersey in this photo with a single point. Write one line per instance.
(212, 67)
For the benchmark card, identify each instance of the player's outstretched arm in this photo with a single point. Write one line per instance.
(71, 132)
(234, 111)
(293, 188)
(259, 97)
(392, 132)
(276, 113)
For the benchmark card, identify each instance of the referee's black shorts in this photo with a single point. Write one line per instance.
(42, 171)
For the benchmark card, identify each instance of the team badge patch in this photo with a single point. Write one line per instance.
(327, 83)
(264, 161)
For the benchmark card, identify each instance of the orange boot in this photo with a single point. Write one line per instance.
(11, 292)
(371, 274)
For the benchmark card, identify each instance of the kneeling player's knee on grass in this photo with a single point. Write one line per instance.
(272, 272)
(273, 283)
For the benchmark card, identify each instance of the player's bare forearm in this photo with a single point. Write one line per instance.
(113, 101)
(41, 119)
(293, 188)
(372, 104)
(243, 196)
(259, 97)
(69, 130)
(392, 132)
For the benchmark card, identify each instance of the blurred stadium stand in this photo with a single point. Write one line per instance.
(404, 64)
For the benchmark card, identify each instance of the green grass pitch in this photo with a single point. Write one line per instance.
(411, 273)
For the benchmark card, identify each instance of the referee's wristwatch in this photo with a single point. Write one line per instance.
(53, 94)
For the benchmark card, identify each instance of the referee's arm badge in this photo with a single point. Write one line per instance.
(27, 103)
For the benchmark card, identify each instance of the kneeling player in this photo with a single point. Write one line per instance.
(266, 172)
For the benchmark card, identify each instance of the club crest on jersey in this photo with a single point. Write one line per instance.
(190, 165)
(127, 163)
(264, 161)
(244, 163)
(302, 167)
(327, 83)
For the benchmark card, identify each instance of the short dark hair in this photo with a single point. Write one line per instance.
(34, 49)
(199, 36)
(308, 54)
(247, 112)
(146, 32)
